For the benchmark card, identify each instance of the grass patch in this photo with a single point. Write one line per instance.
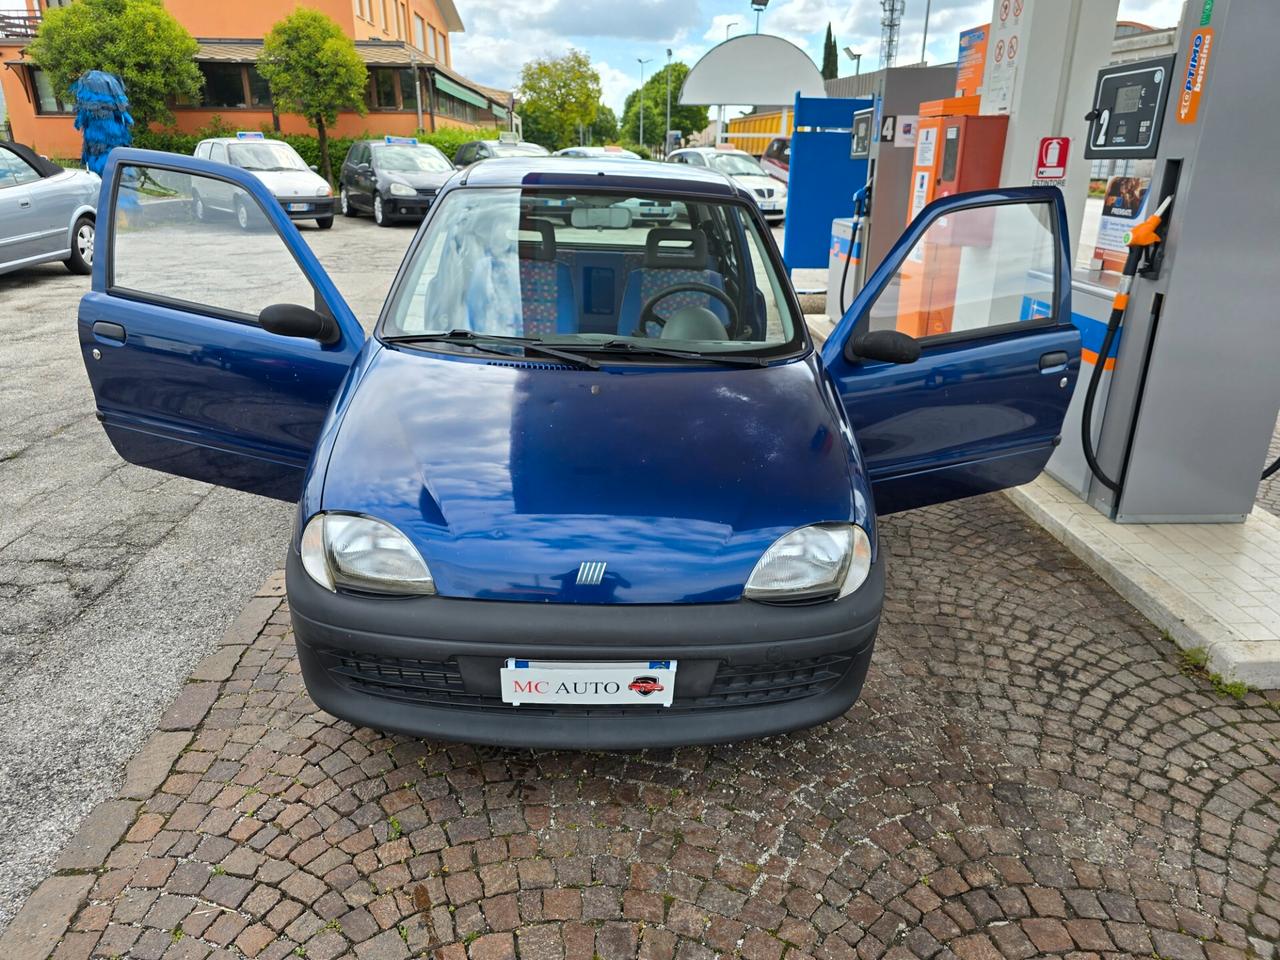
(1194, 663)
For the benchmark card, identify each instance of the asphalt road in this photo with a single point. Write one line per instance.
(114, 580)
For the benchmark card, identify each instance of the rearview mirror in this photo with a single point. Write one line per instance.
(889, 346)
(293, 320)
(313, 168)
(600, 218)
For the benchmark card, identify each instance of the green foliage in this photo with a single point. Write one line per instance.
(137, 40)
(558, 94)
(653, 95)
(644, 152)
(604, 129)
(313, 69)
(830, 57)
(447, 139)
(1193, 662)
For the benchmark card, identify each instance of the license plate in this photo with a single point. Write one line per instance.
(651, 682)
(299, 207)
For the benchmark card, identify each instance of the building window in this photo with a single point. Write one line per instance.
(384, 89)
(223, 85)
(259, 91)
(391, 88)
(419, 33)
(46, 101)
(451, 106)
(448, 60)
(404, 79)
(386, 21)
(434, 49)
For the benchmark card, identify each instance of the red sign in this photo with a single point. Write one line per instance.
(1004, 10)
(1013, 47)
(1051, 160)
(999, 50)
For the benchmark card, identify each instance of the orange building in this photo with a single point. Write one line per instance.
(404, 43)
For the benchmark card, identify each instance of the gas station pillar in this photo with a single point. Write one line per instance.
(1042, 58)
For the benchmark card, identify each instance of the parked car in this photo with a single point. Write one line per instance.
(776, 159)
(46, 212)
(650, 211)
(744, 169)
(303, 193)
(396, 178)
(477, 150)
(616, 152)
(586, 485)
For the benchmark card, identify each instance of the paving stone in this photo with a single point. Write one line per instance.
(190, 707)
(144, 774)
(98, 834)
(44, 918)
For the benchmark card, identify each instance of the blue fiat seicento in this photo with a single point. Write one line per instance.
(590, 483)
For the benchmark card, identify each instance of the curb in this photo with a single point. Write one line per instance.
(42, 922)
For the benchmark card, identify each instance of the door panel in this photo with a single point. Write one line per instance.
(185, 379)
(982, 281)
(22, 235)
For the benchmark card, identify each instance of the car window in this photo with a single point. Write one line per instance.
(218, 152)
(408, 158)
(737, 165)
(202, 151)
(515, 150)
(264, 155)
(581, 269)
(14, 171)
(695, 160)
(160, 251)
(972, 270)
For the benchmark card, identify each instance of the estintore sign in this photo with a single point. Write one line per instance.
(1051, 161)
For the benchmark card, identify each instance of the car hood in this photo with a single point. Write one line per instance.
(509, 476)
(417, 178)
(291, 183)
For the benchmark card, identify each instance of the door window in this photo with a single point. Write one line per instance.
(972, 271)
(14, 171)
(219, 152)
(160, 251)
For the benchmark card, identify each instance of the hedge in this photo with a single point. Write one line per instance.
(447, 139)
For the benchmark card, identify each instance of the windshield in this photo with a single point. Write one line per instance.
(423, 158)
(631, 270)
(737, 165)
(518, 150)
(265, 156)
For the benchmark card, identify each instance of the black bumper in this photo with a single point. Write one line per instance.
(317, 207)
(413, 208)
(429, 666)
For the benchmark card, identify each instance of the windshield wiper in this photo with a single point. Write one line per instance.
(641, 349)
(477, 340)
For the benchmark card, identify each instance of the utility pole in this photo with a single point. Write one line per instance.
(666, 132)
(640, 95)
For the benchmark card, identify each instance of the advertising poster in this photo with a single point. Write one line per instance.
(1123, 206)
(971, 60)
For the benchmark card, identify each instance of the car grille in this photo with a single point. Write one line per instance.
(439, 684)
(427, 192)
(765, 192)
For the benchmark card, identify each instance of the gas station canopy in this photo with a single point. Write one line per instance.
(753, 69)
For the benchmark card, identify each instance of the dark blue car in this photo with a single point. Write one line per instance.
(590, 483)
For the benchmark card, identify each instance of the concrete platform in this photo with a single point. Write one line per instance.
(1211, 586)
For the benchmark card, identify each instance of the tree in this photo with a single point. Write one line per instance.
(313, 70)
(558, 96)
(653, 95)
(137, 40)
(830, 57)
(604, 129)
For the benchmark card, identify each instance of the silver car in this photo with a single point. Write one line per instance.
(46, 212)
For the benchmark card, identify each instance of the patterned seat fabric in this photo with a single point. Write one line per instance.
(540, 297)
(685, 260)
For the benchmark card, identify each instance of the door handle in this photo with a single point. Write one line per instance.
(1050, 362)
(24, 203)
(108, 331)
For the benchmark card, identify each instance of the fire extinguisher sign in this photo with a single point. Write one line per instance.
(1051, 160)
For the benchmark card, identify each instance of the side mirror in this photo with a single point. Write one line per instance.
(889, 346)
(293, 320)
(314, 168)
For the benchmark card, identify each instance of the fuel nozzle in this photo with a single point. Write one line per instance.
(1142, 239)
(1146, 233)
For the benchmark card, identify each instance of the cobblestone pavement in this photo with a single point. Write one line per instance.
(92, 640)
(1269, 490)
(1027, 774)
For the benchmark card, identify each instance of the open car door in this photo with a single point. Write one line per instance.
(981, 285)
(197, 368)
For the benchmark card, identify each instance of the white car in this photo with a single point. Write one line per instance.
(304, 194)
(743, 168)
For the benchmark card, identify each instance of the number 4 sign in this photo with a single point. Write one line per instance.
(1051, 161)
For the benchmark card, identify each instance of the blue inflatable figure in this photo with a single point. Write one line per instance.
(102, 116)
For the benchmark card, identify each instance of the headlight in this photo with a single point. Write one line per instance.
(324, 191)
(825, 559)
(402, 190)
(342, 550)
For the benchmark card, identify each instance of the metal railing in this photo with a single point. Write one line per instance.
(22, 26)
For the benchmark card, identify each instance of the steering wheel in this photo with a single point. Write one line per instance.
(647, 315)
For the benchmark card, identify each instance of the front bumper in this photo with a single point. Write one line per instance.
(415, 207)
(429, 666)
(311, 207)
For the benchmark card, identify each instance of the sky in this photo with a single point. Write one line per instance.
(500, 35)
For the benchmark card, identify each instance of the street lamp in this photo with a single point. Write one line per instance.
(667, 132)
(729, 26)
(856, 58)
(640, 97)
(758, 6)
(924, 42)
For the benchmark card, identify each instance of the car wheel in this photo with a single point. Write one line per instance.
(345, 201)
(82, 237)
(198, 203)
(379, 217)
(324, 223)
(242, 215)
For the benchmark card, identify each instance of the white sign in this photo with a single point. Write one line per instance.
(907, 124)
(919, 191)
(925, 147)
(1004, 55)
(651, 682)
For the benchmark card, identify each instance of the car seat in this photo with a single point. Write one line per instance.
(546, 286)
(672, 256)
